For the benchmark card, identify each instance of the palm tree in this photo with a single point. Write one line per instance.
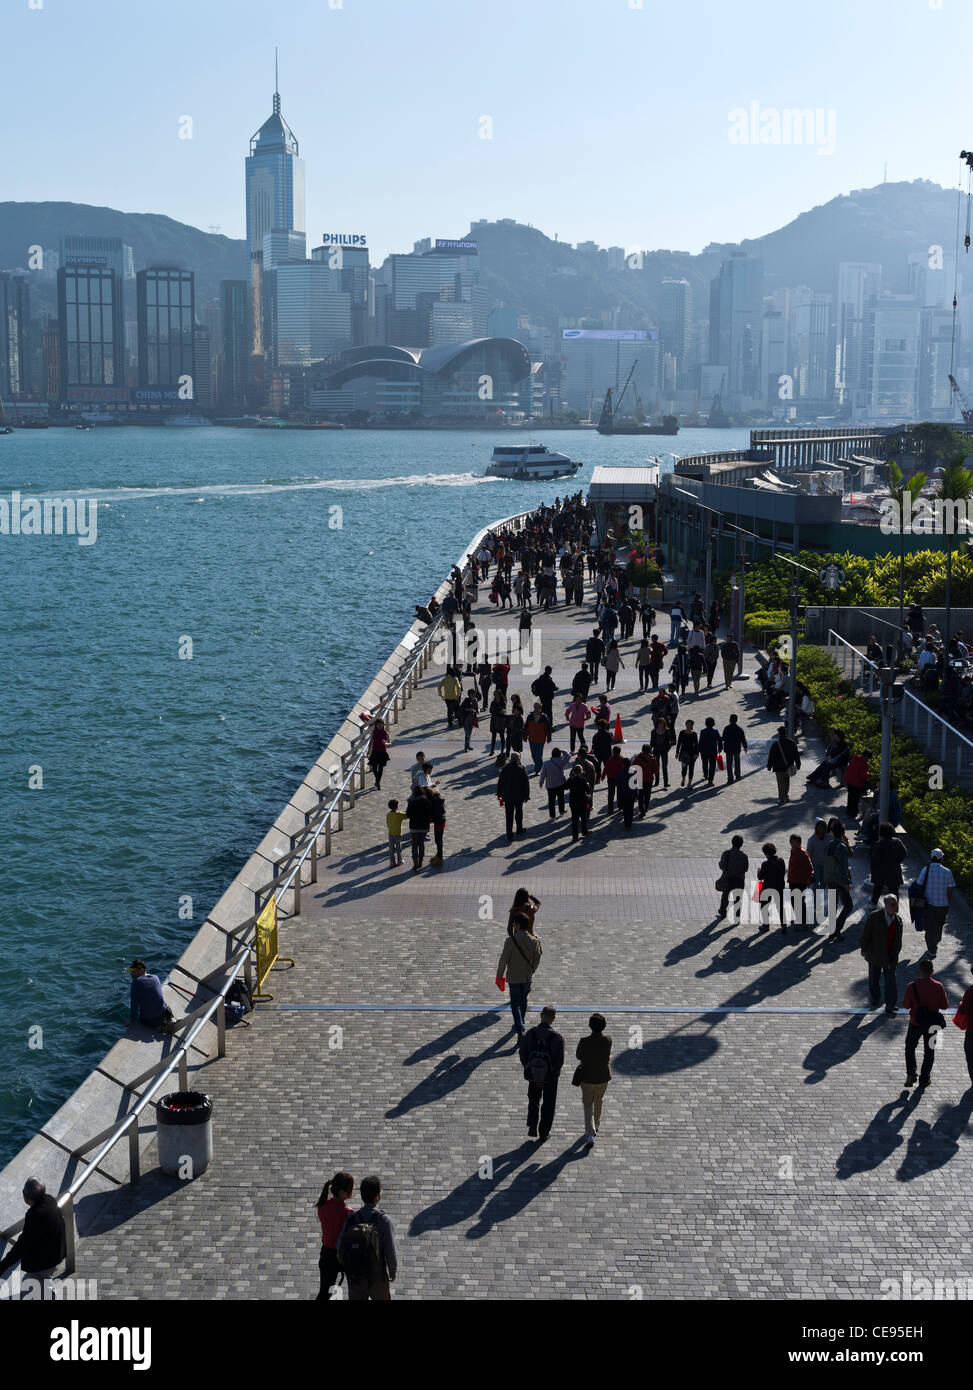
(955, 485)
(900, 489)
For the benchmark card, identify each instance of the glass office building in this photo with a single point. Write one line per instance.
(166, 307)
(235, 355)
(89, 301)
(14, 328)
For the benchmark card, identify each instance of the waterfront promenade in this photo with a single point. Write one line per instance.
(741, 1154)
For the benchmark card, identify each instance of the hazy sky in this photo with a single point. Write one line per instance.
(607, 121)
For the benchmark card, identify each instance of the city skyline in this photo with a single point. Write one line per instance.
(770, 140)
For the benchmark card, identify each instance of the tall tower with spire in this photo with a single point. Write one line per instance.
(275, 195)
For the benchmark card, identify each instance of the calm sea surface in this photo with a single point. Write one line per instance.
(161, 774)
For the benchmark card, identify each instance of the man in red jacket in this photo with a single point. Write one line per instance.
(925, 998)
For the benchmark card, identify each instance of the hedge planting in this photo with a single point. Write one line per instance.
(869, 583)
(943, 817)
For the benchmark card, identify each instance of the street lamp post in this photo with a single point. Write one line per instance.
(792, 668)
(887, 681)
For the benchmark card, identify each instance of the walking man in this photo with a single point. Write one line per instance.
(710, 744)
(783, 760)
(925, 999)
(553, 775)
(730, 656)
(594, 650)
(938, 884)
(542, 1055)
(733, 740)
(881, 945)
(837, 875)
(366, 1248)
(513, 789)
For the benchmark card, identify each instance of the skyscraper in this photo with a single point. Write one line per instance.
(275, 198)
(89, 301)
(859, 282)
(235, 359)
(166, 318)
(675, 319)
(14, 341)
(736, 315)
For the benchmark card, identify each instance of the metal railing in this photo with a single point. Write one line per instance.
(303, 847)
(911, 709)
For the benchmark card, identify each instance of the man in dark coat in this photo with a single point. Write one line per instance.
(783, 756)
(881, 943)
(513, 788)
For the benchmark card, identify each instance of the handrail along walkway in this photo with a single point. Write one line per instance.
(317, 821)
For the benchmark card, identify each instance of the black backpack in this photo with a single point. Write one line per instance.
(538, 1068)
(361, 1249)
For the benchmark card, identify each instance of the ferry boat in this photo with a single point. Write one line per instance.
(530, 463)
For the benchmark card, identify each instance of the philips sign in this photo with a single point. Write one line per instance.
(343, 239)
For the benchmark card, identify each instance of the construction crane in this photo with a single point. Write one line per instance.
(966, 410)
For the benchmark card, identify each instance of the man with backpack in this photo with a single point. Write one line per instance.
(366, 1248)
(783, 760)
(542, 1055)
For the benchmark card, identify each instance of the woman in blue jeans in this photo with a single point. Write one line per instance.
(519, 959)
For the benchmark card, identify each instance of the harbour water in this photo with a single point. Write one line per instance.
(166, 687)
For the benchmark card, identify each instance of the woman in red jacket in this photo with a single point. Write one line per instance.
(856, 780)
(964, 1019)
(378, 753)
(333, 1212)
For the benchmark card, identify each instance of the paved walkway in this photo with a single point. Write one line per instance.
(742, 1154)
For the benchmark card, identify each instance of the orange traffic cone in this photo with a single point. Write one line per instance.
(619, 736)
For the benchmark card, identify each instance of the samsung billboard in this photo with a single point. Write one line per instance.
(614, 335)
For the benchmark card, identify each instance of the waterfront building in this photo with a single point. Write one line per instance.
(203, 368)
(51, 351)
(936, 351)
(275, 179)
(350, 274)
(735, 328)
(893, 358)
(473, 382)
(440, 272)
(236, 340)
(676, 320)
(811, 347)
(15, 354)
(166, 304)
(859, 282)
(92, 339)
(309, 320)
(593, 359)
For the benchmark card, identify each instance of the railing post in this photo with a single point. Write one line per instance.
(70, 1237)
(327, 835)
(395, 708)
(183, 1072)
(297, 892)
(341, 810)
(942, 751)
(351, 790)
(133, 1152)
(361, 775)
(314, 859)
(221, 1028)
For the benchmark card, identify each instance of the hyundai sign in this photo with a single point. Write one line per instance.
(614, 335)
(466, 247)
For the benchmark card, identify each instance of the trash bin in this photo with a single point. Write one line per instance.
(184, 1130)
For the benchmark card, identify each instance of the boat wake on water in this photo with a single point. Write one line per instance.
(202, 491)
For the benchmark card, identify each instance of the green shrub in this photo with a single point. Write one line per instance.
(869, 582)
(943, 818)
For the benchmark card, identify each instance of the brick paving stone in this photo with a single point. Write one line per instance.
(742, 1155)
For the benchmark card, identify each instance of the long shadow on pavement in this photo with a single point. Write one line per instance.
(932, 1146)
(880, 1140)
(448, 1076)
(522, 1191)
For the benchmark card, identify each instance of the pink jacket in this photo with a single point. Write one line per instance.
(578, 715)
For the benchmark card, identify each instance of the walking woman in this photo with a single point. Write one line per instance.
(468, 712)
(660, 741)
(612, 660)
(525, 902)
(687, 751)
(711, 656)
(333, 1212)
(643, 660)
(484, 676)
(593, 1074)
(519, 959)
(733, 874)
(515, 726)
(378, 754)
(498, 720)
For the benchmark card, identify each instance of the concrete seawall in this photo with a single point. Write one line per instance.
(107, 1094)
